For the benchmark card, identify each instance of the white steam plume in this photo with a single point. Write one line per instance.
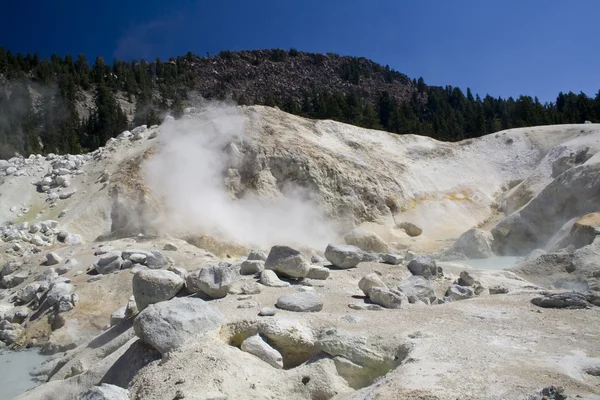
(187, 172)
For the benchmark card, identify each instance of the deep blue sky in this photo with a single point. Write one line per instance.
(501, 47)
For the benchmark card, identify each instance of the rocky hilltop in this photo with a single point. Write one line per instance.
(244, 253)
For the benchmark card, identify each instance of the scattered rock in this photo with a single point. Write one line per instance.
(393, 259)
(269, 278)
(251, 267)
(423, 266)
(341, 256)
(498, 289)
(153, 286)
(417, 288)
(257, 255)
(170, 247)
(370, 281)
(53, 259)
(571, 300)
(366, 241)
(267, 312)
(257, 346)
(457, 292)
(214, 281)
(287, 261)
(318, 272)
(300, 302)
(387, 298)
(169, 325)
(317, 259)
(411, 229)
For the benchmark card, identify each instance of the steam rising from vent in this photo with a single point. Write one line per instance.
(188, 172)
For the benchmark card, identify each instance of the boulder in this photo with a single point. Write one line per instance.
(366, 241)
(182, 272)
(153, 286)
(269, 278)
(170, 247)
(106, 392)
(251, 267)
(475, 243)
(417, 288)
(370, 281)
(457, 292)
(10, 268)
(258, 255)
(387, 298)
(26, 294)
(257, 346)
(341, 256)
(214, 281)
(267, 312)
(138, 258)
(300, 302)
(287, 261)
(118, 315)
(52, 259)
(317, 259)
(172, 324)
(318, 272)
(156, 260)
(423, 266)
(69, 238)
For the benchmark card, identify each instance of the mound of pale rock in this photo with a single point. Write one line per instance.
(475, 243)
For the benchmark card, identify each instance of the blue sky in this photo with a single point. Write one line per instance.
(504, 48)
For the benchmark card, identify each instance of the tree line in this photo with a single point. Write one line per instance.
(49, 118)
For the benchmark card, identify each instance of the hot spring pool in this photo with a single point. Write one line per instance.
(491, 263)
(14, 372)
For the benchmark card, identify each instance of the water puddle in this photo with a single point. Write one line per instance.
(15, 367)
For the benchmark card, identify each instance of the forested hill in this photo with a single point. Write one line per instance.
(66, 104)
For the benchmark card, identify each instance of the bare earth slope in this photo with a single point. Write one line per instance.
(204, 190)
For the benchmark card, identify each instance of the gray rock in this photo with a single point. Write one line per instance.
(257, 255)
(66, 194)
(269, 278)
(366, 241)
(106, 392)
(153, 286)
(300, 302)
(67, 266)
(170, 247)
(475, 243)
(343, 256)
(138, 258)
(498, 289)
(370, 281)
(257, 346)
(215, 281)
(53, 259)
(409, 256)
(287, 261)
(172, 324)
(10, 268)
(318, 272)
(69, 238)
(393, 259)
(457, 292)
(387, 298)
(59, 292)
(156, 260)
(466, 279)
(26, 294)
(118, 315)
(423, 266)
(251, 267)
(251, 288)
(417, 288)
(179, 271)
(109, 267)
(570, 300)
(267, 312)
